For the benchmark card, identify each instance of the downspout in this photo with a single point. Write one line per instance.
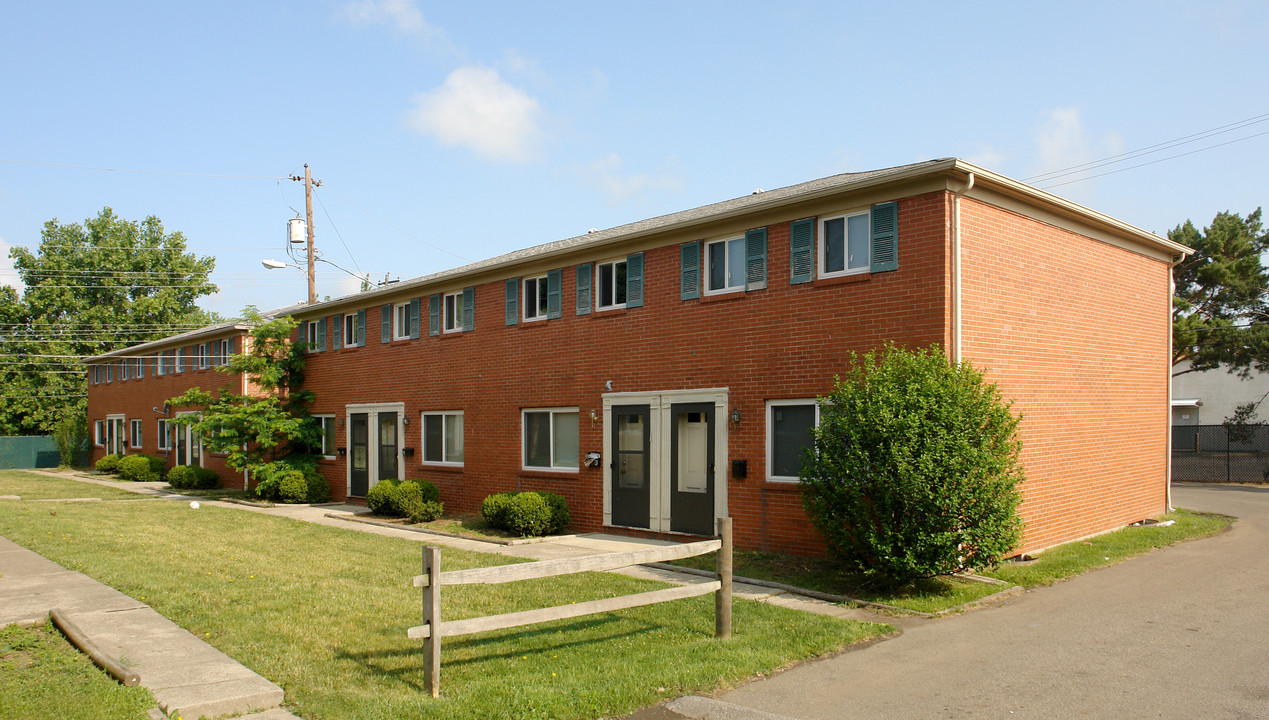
(957, 352)
(1171, 350)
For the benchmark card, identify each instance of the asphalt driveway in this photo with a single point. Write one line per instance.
(1180, 633)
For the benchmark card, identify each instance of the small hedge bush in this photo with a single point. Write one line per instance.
(290, 482)
(109, 464)
(187, 477)
(140, 468)
(379, 499)
(528, 514)
(418, 500)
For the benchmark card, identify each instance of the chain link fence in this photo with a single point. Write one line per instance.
(1215, 453)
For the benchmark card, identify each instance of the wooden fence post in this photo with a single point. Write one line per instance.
(432, 616)
(722, 596)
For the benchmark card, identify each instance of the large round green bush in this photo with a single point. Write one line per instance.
(915, 469)
(494, 509)
(529, 513)
(418, 500)
(137, 468)
(185, 477)
(290, 480)
(109, 463)
(379, 499)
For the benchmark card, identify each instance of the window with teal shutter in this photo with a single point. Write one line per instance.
(583, 288)
(469, 309)
(414, 318)
(802, 251)
(321, 334)
(339, 331)
(513, 301)
(554, 304)
(690, 270)
(634, 280)
(385, 323)
(434, 315)
(885, 237)
(756, 259)
(361, 328)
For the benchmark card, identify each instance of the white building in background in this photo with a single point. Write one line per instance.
(1211, 396)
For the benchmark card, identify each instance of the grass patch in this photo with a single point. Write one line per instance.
(43, 678)
(1074, 558)
(941, 593)
(214, 493)
(824, 575)
(323, 612)
(30, 486)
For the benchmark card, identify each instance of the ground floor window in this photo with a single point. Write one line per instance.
(790, 426)
(163, 437)
(326, 435)
(99, 433)
(134, 433)
(443, 437)
(550, 439)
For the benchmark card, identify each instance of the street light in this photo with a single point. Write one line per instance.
(278, 265)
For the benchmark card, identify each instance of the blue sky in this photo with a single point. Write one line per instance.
(446, 132)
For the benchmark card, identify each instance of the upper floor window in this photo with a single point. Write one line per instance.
(454, 308)
(610, 284)
(401, 321)
(725, 261)
(351, 330)
(535, 298)
(844, 248)
(310, 333)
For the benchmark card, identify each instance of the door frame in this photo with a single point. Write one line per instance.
(191, 438)
(114, 434)
(372, 429)
(659, 459)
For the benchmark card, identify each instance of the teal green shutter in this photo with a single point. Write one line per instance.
(434, 315)
(554, 283)
(361, 328)
(585, 272)
(385, 324)
(634, 280)
(513, 301)
(321, 334)
(885, 237)
(756, 259)
(231, 349)
(690, 270)
(469, 309)
(801, 251)
(339, 331)
(414, 318)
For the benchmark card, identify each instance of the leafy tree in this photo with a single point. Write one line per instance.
(268, 432)
(91, 288)
(915, 468)
(1221, 306)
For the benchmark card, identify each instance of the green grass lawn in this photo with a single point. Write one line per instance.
(30, 486)
(43, 678)
(941, 593)
(323, 612)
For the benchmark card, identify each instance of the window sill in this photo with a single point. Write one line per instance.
(610, 312)
(436, 467)
(782, 485)
(841, 279)
(544, 473)
(723, 296)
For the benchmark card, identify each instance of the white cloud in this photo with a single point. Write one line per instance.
(1061, 141)
(475, 108)
(606, 175)
(8, 274)
(403, 15)
(989, 158)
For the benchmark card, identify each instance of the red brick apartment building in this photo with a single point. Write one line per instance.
(662, 374)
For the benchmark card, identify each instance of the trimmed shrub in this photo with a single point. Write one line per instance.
(186, 477)
(290, 481)
(915, 469)
(138, 468)
(109, 464)
(318, 488)
(379, 499)
(418, 500)
(529, 513)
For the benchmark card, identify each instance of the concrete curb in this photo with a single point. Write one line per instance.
(442, 533)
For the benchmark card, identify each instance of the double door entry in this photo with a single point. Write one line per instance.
(374, 446)
(664, 454)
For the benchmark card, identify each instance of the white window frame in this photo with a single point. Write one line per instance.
(350, 329)
(524, 451)
(821, 250)
(770, 442)
(446, 420)
(162, 433)
(134, 433)
(99, 432)
(401, 321)
(729, 284)
(452, 312)
(539, 304)
(599, 283)
(322, 421)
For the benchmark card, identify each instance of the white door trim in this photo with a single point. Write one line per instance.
(372, 438)
(659, 427)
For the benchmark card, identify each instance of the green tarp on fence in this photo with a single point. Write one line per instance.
(38, 451)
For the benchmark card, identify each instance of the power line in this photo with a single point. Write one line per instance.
(1153, 162)
(147, 172)
(394, 227)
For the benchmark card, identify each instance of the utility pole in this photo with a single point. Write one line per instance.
(309, 183)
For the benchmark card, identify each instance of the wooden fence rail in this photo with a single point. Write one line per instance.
(432, 629)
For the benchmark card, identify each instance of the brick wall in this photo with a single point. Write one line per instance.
(786, 341)
(1076, 331)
